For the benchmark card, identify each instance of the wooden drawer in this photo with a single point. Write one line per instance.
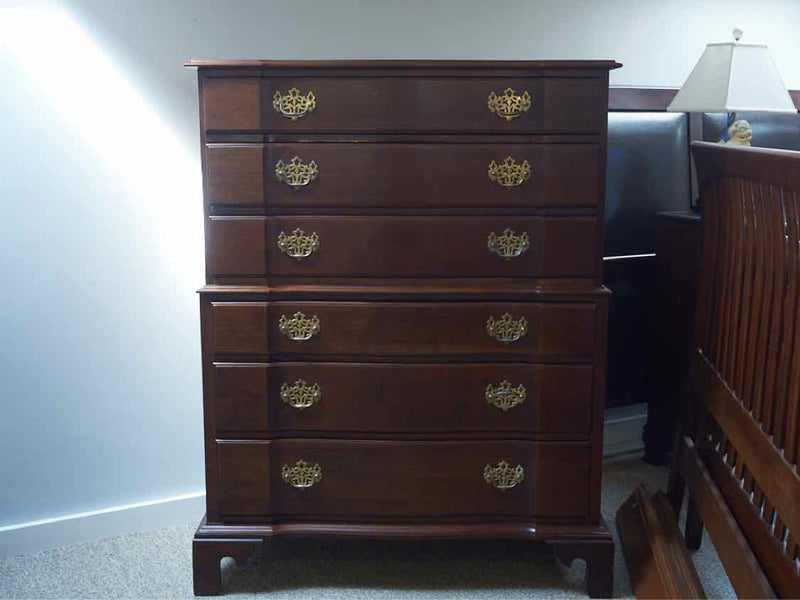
(401, 398)
(423, 329)
(400, 479)
(354, 246)
(408, 175)
(397, 104)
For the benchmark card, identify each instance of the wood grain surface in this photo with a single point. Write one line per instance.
(402, 479)
(433, 399)
(554, 330)
(406, 104)
(354, 246)
(402, 175)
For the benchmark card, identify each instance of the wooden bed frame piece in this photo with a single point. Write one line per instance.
(739, 459)
(658, 563)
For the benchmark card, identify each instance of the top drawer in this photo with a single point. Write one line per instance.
(405, 104)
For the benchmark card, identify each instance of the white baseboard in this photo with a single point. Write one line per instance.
(68, 530)
(622, 429)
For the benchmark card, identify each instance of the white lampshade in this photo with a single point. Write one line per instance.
(734, 77)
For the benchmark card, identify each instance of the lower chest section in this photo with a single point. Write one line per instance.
(334, 410)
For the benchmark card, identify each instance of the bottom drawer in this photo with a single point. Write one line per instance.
(344, 478)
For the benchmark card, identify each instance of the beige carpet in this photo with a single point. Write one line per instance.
(157, 564)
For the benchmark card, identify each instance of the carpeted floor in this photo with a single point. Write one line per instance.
(157, 564)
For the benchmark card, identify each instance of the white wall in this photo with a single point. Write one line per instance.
(101, 225)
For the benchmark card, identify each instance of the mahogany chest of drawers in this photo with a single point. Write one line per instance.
(404, 323)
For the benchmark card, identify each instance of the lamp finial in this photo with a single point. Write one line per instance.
(737, 33)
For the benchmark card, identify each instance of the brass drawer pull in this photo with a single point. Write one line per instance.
(299, 327)
(507, 329)
(300, 394)
(296, 173)
(509, 105)
(504, 396)
(294, 105)
(298, 245)
(510, 173)
(503, 476)
(301, 475)
(508, 244)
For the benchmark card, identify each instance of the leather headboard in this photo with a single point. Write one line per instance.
(648, 172)
(769, 130)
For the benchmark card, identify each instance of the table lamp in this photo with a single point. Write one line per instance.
(734, 77)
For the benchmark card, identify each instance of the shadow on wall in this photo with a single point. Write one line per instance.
(109, 114)
(103, 248)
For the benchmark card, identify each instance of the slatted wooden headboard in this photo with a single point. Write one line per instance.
(740, 465)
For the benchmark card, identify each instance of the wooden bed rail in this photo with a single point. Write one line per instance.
(746, 373)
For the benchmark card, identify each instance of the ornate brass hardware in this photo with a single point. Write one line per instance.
(296, 173)
(503, 476)
(504, 396)
(301, 475)
(299, 327)
(298, 245)
(508, 244)
(509, 105)
(300, 394)
(510, 173)
(507, 329)
(293, 104)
